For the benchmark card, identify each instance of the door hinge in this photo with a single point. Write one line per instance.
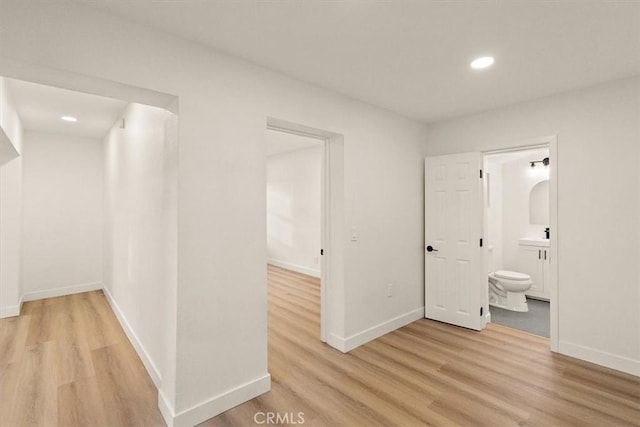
(481, 310)
(480, 173)
(321, 251)
(480, 242)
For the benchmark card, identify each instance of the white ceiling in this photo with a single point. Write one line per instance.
(40, 108)
(413, 56)
(281, 142)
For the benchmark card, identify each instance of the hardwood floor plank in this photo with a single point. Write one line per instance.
(80, 404)
(42, 326)
(466, 412)
(74, 362)
(35, 399)
(126, 390)
(73, 352)
(13, 338)
(100, 320)
(9, 382)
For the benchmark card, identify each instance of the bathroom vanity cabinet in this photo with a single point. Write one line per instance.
(534, 257)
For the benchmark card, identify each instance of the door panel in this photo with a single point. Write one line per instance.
(453, 226)
(440, 267)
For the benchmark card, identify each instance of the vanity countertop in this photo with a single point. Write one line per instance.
(534, 241)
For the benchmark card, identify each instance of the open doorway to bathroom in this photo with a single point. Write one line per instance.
(519, 234)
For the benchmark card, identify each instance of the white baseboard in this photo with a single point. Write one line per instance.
(609, 360)
(487, 318)
(59, 292)
(166, 409)
(151, 368)
(214, 406)
(347, 344)
(337, 342)
(294, 267)
(12, 310)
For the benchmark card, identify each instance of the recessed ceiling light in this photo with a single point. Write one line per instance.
(69, 119)
(483, 62)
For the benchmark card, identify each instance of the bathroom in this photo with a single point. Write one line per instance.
(517, 231)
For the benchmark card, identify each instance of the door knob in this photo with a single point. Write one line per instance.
(431, 249)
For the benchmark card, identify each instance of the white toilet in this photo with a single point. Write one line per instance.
(507, 288)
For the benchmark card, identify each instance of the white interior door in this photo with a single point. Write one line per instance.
(453, 229)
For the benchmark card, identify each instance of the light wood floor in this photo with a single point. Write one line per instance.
(67, 362)
(427, 373)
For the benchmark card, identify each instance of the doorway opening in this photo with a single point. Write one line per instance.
(457, 236)
(294, 221)
(322, 252)
(517, 232)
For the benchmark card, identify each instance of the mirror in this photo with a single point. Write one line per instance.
(539, 204)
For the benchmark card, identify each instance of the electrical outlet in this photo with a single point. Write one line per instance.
(354, 235)
(389, 290)
(316, 260)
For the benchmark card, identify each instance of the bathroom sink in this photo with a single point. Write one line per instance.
(534, 241)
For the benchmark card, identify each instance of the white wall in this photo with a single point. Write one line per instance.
(294, 209)
(62, 214)
(139, 204)
(598, 132)
(494, 215)
(518, 179)
(10, 209)
(221, 294)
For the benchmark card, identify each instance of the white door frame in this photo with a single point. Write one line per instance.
(329, 210)
(551, 142)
